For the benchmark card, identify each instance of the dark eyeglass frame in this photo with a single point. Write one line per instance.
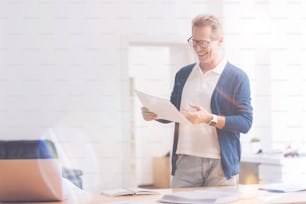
(201, 43)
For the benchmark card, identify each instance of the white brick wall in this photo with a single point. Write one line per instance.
(63, 72)
(61, 75)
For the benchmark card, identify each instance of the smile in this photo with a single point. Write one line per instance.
(202, 54)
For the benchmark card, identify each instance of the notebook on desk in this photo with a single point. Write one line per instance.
(30, 180)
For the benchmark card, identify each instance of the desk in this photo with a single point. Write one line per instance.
(293, 198)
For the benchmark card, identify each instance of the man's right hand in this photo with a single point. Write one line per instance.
(147, 115)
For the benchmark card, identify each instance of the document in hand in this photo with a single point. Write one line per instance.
(129, 191)
(202, 196)
(162, 107)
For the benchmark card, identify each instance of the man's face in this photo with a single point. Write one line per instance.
(210, 53)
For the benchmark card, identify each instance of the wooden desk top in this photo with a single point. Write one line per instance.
(257, 198)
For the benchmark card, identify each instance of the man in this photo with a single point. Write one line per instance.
(214, 96)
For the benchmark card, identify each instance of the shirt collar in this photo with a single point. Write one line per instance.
(219, 68)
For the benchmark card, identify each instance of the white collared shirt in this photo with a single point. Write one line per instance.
(201, 139)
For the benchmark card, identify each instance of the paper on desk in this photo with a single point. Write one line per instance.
(162, 107)
(277, 198)
(126, 202)
(283, 187)
(210, 196)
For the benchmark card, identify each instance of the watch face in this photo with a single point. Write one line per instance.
(212, 123)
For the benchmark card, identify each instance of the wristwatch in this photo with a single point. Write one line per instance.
(213, 121)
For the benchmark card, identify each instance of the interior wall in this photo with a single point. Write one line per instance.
(62, 75)
(63, 72)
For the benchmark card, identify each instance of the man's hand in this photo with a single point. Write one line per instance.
(147, 115)
(200, 115)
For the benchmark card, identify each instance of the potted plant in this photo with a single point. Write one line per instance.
(255, 144)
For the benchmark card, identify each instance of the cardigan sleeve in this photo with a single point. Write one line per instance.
(233, 100)
(242, 118)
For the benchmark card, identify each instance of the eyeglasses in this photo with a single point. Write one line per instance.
(201, 43)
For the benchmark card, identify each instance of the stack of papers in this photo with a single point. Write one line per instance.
(202, 196)
(283, 187)
(129, 191)
(283, 193)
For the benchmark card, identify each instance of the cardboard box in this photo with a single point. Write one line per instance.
(161, 172)
(248, 173)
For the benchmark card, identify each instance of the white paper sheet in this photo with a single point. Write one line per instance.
(162, 107)
(210, 196)
(283, 187)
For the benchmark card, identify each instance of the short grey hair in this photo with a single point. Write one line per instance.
(209, 20)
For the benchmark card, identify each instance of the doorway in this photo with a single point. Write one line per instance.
(152, 69)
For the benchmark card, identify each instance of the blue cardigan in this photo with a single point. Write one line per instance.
(231, 98)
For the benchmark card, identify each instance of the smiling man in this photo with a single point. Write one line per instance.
(214, 96)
